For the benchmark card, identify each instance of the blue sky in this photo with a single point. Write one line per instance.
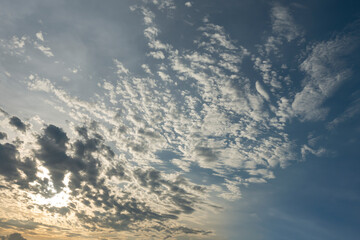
(161, 119)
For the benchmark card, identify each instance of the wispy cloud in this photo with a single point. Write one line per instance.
(283, 23)
(325, 71)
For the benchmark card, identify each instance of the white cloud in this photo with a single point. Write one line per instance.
(120, 67)
(217, 35)
(231, 67)
(182, 164)
(45, 50)
(188, 4)
(283, 23)
(157, 55)
(306, 150)
(164, 76)
(233, 192)
(148, 16)
(262, 91)
(18, 42)
(165, 4)
(202, 58)
(325, 73)
(199, 105)
(256, 180)
(284, 28)
(146, 69)
(262, 172)
(40, 36)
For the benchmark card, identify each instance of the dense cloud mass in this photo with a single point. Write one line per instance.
(14, 236)
(153, 141)
(16, 122)
(90, 166)
(3, 135)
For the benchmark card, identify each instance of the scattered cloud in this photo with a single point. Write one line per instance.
(157, 55)
(40, 36)
(45, 50)
(85, 169)
(130, 154)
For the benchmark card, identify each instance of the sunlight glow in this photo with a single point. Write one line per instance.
(61, 199)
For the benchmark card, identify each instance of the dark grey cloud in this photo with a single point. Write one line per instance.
(183, 203)
(10, 164)
(206, 153)
(138, 147)
(85, 168)
(72, 235)
(122, 129)
(185, 230)
(173, 190)
(3, 135)
(53, 154)
(118, 171)
(19, 224)
(16, 122)
(82, 131)
(191, 231)
(148, 133)
(9, 161)
(25, 225)
(29, 168)
(135, 212)
(13, 236)
(4, 112)
(60, 210)
(82, 158)
(149, 178)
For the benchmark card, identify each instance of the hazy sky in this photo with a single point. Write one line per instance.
(167, 119)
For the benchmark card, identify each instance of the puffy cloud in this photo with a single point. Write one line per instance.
(110, 165)
(13, 236)
(85, 169)
(3, 135)
(16, 122)
(53, 154)
(157, 55)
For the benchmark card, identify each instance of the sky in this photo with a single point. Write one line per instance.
(164, 119)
